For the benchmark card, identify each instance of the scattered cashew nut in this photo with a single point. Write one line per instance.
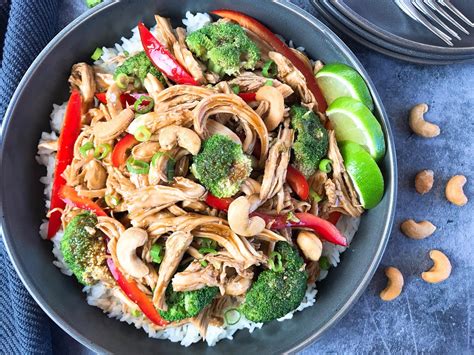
(310, 245)
(239, 221)
(108, 130)
(394, 285)
(440, 270)
(419, 125)
(424, 181)
(127, 245)
(417, 230)
(454, 190)
(277, 105)
(171, 136)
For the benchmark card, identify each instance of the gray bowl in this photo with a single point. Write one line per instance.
(22, 194)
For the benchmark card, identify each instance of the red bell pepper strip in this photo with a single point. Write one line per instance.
(121, 149)
(298, 182)
(70, 196)
(101, 96)
(248, 96)
(334, 217)
(222, 204)
(132, 291)
(273, 41)
(162, 58)
(69, 133)
(324, 229)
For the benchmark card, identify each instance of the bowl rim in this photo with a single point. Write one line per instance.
(390, 192)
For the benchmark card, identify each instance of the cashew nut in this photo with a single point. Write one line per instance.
(239, 221)
(394, 284)
(454, 190)
(127, 245)
(440, 270)
(108, 130)
(95, 175)
(310, 245)
(277, 105)
(419, 125)
(146, 150)
(417, 230)
(171, 136)
(424, 181)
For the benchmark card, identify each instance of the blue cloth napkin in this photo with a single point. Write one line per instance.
(26, 26)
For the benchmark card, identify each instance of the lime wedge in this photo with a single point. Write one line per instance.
(339, 80)
(353, 121)
(364, 172)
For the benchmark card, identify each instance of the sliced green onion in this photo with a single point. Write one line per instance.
(207, 251)
(142, 134)
(269, 69)
(292, 218)
(269, 82)
(136, 313)
(170, 169)
(144, 104)
(97, 54)
(155, 157)
(232, 316)
(112, 200)
(314, 195)
(325, 165)
(84, 150)
(137, 166)
(208, 243)
(102, 151)
(156, 253)
(324, 263)
(275, 257)
(126, 53)
(236, 89)
(122, 81)
(203, 263)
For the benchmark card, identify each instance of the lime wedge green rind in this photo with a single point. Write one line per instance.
(338, 80)
(364, 173)
(353, 121)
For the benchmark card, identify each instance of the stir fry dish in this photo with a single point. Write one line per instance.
(202, 179)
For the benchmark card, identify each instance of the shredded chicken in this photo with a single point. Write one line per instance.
(160, 196)
(288, 73)
(186, 59)
(195, 277)
(175, 247)
(82, 79)
(277, 164)
(340, 192)
(219, 103)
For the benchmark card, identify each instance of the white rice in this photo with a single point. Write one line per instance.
(109, 300)
(196, 22)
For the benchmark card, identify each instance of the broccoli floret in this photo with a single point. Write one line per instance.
(137, 68)
(188, 304)
(91, 3)
(84, 249)
(311, 143)
(225, 47)
(276, 293)
(221, 166)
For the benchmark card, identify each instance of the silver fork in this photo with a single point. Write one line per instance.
(424, 10)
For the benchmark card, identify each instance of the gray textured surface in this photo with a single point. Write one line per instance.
(425, 318)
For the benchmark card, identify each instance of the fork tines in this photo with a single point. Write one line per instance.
(431, 13)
